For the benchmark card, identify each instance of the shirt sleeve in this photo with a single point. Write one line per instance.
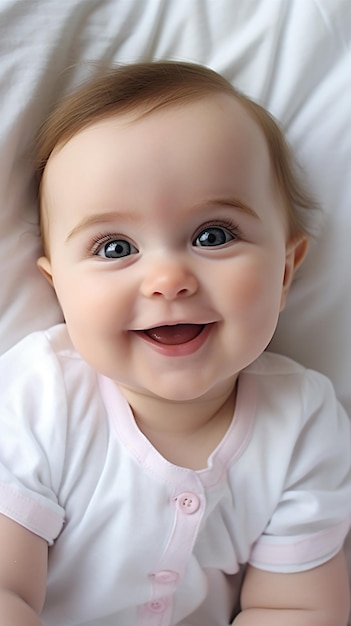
(312, 517)
(32, 427)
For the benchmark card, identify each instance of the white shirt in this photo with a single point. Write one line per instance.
(138, 541)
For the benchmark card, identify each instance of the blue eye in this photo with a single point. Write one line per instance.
(213, 236)
(116, 249)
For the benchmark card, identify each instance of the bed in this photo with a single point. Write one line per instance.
(293, 56)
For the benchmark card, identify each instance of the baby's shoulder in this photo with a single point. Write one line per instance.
(273, 364)
(286, 387)
(282, 372)
(42, 363)
(43, 343)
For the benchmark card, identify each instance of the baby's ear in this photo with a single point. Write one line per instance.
(44, 266)
(296, 251)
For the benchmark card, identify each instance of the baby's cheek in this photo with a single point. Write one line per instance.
(256, 292)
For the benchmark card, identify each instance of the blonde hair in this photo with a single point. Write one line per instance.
(147, 87)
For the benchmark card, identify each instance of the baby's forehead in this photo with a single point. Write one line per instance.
(217, 139)
(222, 111)
(212, 144)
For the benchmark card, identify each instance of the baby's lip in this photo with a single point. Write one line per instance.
(176, 340)
(174, 334)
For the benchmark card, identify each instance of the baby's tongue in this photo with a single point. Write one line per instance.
(174, 335)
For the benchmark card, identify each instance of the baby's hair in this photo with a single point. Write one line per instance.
(147, 87)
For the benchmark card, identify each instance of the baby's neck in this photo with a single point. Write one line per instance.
(184, 433)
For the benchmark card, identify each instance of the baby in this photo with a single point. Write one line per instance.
(157, 466)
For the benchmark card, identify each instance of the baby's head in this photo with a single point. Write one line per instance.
(142, 88)
(172, 223)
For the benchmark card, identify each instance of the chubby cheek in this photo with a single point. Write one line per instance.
(84, 302)
(254, 293)
(93, 319)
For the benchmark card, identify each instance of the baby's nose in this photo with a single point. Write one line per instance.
(170, 279)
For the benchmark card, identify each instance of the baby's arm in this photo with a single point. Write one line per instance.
(23, 569)
(317, 597)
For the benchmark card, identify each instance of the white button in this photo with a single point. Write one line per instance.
(157, 606)
(165, 576)
(188, 502)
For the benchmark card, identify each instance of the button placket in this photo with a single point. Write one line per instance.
(189, 508)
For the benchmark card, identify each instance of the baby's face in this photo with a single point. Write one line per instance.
(167, 241)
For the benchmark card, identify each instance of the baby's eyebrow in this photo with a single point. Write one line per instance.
(233, 203)
(115, 216)
(101, 218)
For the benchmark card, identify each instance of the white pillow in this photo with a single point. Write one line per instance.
(293, 56)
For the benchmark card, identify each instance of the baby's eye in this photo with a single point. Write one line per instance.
(116, 249)
(213, 236)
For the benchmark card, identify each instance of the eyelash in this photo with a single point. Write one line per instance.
(226, 223)
(103, 238)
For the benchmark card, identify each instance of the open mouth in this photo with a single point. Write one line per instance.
(174, 335)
